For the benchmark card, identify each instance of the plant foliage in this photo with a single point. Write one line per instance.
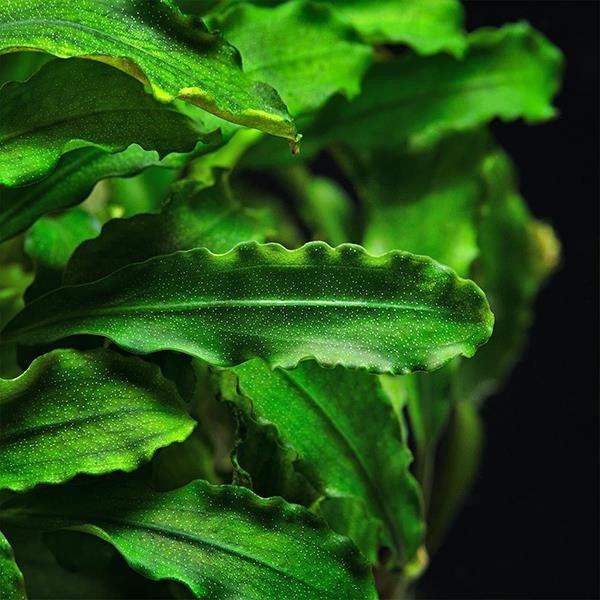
(236, 367)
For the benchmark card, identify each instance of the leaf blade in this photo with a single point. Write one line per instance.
(221, 541)
(134, 36)
(11, 578)
(72, 412)
(394, 313)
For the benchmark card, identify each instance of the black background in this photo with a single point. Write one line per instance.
(530, 527)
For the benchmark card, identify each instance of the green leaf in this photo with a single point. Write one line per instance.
(95, 412)
(11, 578)
(50, 243)
(317, 54)
(427, 26)
(517, 255)
(69, 104)
(221, 541)
(428, 201)
(194, 216)
(347, 439)
(153, 42)
(509, 73)
(71, 182)
(19, 66)
(394, 313)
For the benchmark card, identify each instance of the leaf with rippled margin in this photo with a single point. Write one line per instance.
(195, 216)
(427, 26)
(395, 313)
(508, 73)
(94, 412)
(173, 54)
(11, 578)
(69, 104)
(316, 55)
(221, 541)
(347, 440)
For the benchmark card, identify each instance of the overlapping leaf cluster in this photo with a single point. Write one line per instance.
(209, 364)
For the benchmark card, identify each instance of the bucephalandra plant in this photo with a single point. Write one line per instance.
(235, 367)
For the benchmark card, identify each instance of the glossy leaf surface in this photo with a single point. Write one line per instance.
(317, 53)
(11, 578)
(69, 104)
(220, 541)
(195, 216)
(347, 440)
(394, 313)
(153, 42)
(95, 412)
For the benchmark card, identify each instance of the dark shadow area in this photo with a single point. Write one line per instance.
(530, 527)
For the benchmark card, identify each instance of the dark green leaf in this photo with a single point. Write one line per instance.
(195, 216)
(11, 578)
(301, 48)
(347, 439)
(69, 104)
(221, 541)
(95, 412)
(19, 66)
(153, 42)
(394, 313)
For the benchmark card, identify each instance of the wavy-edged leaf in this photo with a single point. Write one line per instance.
(19, 66)
(428, 201)
(427, 26)
(347, 439)
(94, 412)
(51, 242)
(518, 253)
(153, 42)
(69, 104)
(71, 182)
(221, 541)
(195, 216)
(301, 48)
(11, 578)
(394, 313)
(508, 73)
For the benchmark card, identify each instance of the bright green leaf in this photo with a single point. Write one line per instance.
(11, 578)
(69, 104)
(194, 216)
(394, 313)
(427, 202)
(509, 73)
(221, 541)
(303, 49)
(427, 26)
(347, 439)
(153, 42)
(95, 412)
